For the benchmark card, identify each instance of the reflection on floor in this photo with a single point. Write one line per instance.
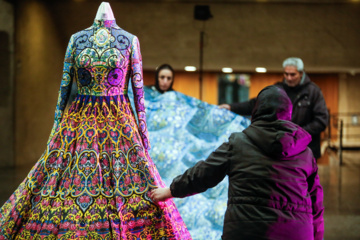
(341, 192)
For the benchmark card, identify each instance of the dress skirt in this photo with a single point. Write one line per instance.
(92, 182)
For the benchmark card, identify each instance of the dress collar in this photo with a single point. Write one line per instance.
(104, 23)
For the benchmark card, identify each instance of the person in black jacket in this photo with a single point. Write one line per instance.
(309, 107)
(274, 188)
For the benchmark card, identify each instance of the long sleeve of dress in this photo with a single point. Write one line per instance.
(204, 174)
(316, 193)
(65, 87)
(137, 85)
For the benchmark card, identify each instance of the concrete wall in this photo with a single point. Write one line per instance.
(6, 84)
(241, 35)
(349, 108)
(40, 57)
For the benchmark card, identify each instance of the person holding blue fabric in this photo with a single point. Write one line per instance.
(164, 78)
(309, 107)
(274, 188)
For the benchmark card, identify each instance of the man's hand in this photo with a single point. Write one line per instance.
(160, 194)
(225, 106)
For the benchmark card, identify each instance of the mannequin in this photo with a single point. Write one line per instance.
(107, 199)
(104, 12)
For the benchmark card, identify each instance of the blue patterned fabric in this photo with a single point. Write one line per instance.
(182, 131)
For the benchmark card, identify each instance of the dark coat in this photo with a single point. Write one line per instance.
(309, 110)
(274, 188)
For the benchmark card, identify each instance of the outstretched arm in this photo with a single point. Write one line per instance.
(65, 87)
(137, 85)
(205, 174)
(243, 108)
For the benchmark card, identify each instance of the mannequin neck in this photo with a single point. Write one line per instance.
(104, 12)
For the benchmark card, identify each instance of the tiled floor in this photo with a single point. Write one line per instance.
(341, 192)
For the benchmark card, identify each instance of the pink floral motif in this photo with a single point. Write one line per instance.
(92, 227)
(98, 225)
(137, 178)
(55, 231)
(28, 227)
(106, 224)
(45, 203)
(67, 184)
(50, 227)
(148, 222)
(52, 180)
(133, 158)
(83, 161)
(52, 160)
(140, 222)
(66, 224)
(95, 181)
(131, 224)
(77, 180)
(72, 227)
(84, 199)
(127, 129)
(106, 162)
(90, 133)
(127, 180)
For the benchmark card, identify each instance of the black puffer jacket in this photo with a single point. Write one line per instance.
(274, 189)
(309, 109)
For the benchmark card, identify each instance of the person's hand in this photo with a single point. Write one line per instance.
(225, 106)
(160, 194)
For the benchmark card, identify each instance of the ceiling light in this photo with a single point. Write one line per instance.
(190, 68)
(260, 70)
(227, 70)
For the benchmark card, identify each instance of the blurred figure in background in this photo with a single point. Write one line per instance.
(309, 108)
(164, 78)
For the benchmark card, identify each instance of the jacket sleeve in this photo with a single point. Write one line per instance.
(65, 87)
(204, 174)
(316, 194)
(137, 85)
(320, 115)
(243, 108)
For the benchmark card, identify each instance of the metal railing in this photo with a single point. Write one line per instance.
(343, 132)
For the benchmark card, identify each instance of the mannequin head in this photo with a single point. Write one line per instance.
(164, 78)
(104, 12)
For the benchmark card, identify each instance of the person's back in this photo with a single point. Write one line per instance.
(272, 181)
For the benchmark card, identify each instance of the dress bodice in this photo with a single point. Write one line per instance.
(101, 58)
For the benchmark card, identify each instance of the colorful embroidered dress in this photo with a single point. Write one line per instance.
(94, 178)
